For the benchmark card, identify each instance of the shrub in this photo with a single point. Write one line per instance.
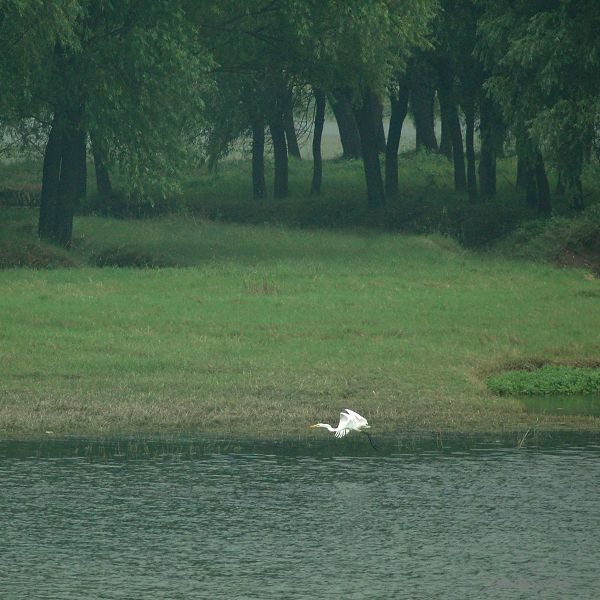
(131, 257)
(571, 241)
(18, 252)
(549, 379)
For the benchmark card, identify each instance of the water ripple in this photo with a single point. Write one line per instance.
(457, 524)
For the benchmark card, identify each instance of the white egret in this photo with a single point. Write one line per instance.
(349, 421)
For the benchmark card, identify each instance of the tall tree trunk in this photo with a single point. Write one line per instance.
(349, 135)
(315, 187)
(399, 106)
(449, 110)
(378, 117)
(64, 157)
(422, 99)
(543, 187)
(367, 128)
(72, 174)
(259, 186)
(103, 184)
(280, 185)
(526, 179)
(290, 128)
(458, 155)
(445, 139)
(50, 179)
(521, 181)
(469, 110)
(577, 191)
(487, 158)
(530, 187)
(82, 166)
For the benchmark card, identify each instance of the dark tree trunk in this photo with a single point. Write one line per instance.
(64, 155)
(521, 182)
(544, 204)
(50, 180)
(259, 186)
(487, 170)
(530, 186)
(422, 99)
(577, 191)
(469, 110)
(81, 166)
(280, 185)
(367, 128)
(378, 116)
(103, 184)
(72, 174)
(288, 123)
(315, 187)
(445, 140)
(458, 155)
(349, 135)
(487, 158)
(399, 106)
(449, 110)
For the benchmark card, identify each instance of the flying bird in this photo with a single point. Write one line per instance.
(349, 421)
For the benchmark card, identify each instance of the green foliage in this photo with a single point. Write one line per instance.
(544, 58)
(136, 67)
(569, 241)
(550, 379)
(29, 31)
(360, 44)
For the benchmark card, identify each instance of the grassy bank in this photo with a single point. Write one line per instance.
(263, 330)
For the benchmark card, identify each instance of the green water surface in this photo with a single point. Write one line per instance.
(137, 519)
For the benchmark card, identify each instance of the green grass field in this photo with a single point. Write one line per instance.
(262, 330)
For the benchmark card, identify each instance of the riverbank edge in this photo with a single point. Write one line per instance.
(165, 443)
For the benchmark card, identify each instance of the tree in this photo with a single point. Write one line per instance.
(544, 58)
(128, 73)
(359, 47)
(399, 92)
(344, 116)
(422, 100)
(319, 120)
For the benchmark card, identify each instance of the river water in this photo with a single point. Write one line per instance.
(135, 519)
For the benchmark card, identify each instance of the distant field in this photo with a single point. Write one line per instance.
(264, 330)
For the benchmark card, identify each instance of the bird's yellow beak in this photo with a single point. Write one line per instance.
(311, 426)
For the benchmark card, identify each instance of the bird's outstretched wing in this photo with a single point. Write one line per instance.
(342, 428)
(359, 419)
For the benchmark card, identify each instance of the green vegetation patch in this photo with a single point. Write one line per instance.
(568, 241)
(549, 379)
(20, 248)
(132, 257)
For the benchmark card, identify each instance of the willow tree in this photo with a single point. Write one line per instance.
(256, 67)
(130, 73)
(358, 48)
(28, 34)
(545, 58)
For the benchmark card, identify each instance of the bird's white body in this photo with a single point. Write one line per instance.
(349, 421)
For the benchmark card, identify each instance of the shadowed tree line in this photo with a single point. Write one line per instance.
(154, 86)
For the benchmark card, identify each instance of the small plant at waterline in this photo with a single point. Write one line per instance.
(549, 379)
